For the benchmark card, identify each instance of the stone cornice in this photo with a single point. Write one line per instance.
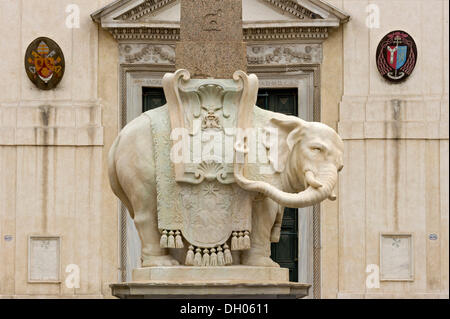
(285, 33)
(144, 34)
(393, 117)
(52, 122)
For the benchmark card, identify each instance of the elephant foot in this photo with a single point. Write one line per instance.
(155, 261)
(258, 260)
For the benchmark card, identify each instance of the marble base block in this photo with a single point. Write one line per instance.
(210, 282)
(202, 274)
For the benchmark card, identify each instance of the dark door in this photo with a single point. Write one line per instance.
(284, 101)
(285, 252)
(152, 98)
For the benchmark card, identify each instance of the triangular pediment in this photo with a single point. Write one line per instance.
(126, 16)
(253, 11)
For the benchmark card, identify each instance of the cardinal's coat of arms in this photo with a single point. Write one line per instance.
(396, 56)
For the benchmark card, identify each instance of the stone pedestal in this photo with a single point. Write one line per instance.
(210, 282)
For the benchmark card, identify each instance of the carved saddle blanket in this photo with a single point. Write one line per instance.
(211, 216)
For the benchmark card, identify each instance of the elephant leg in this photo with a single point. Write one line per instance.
(264, 213)
(147, 226)
(132, 167)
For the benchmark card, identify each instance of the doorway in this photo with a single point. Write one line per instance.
(285, 252)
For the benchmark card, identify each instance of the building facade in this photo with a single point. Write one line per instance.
(386, 236)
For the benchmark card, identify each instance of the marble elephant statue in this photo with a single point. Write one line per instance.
(310, 157)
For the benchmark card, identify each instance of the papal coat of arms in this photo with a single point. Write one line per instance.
(44, 63)
(396, 56)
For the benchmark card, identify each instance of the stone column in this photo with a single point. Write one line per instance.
(211, 40)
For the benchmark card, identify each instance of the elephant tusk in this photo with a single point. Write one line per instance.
(332, 196)
(307, 197)
(311, 180)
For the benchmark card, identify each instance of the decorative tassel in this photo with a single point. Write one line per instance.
(178, 240)
(220, 257)
(241, 241)
(234, 241)
(213, 259)
(171, 240)
(227, 254)
(198, 257)
(163, 240)
(246, 240)
(190, 256)
(205, 259)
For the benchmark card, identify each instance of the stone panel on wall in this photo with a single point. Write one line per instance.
(44, 259)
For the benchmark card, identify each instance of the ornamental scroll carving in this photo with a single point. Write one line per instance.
(147, 53)
(284, 54)
(131, 53)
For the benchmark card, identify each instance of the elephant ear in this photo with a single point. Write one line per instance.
(288, 130)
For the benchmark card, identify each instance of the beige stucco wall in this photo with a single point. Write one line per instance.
(396, 157)
(53, 148)
(331, 93)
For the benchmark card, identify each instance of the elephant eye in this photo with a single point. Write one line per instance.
(316, 148)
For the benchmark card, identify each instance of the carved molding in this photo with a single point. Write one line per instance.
(160, 34)
(285, 33)
(147, 53)
(283, 54)
(143, 9)
(293, 8)
(172, 35)
(69, 123)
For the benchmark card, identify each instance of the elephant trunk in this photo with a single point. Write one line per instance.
(310, 196)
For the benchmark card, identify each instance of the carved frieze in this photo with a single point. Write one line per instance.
(147, 53)
(134, 53)
(284, 54)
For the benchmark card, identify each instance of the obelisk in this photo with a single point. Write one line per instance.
(211, 38)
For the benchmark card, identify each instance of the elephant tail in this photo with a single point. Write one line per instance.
(114, 180)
